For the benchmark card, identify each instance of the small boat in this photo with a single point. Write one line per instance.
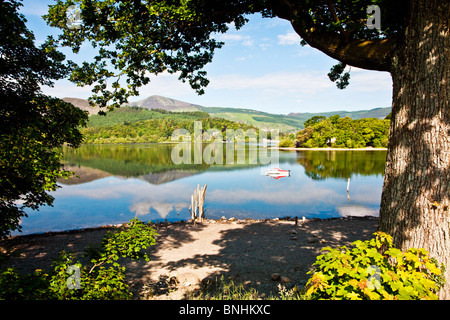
(278, 173)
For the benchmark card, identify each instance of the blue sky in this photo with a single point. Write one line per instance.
(262, 66)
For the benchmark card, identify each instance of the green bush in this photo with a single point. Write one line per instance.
(16, 286)
(345, 132)
(102, 279)
(286, 143)
(373, 270)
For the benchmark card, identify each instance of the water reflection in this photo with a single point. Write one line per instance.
(341, 164)
(118, 182)
(153, 162)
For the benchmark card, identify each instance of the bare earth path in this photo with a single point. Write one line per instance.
(247, 251)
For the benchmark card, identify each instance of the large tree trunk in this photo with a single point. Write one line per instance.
(415, 207)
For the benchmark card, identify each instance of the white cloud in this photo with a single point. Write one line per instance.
(248, 42)
(65, 88)
(143, 195)
(230, 37)
(290, 38)
(370, 81)
(265, 46)
(357, 210)
(234, 38)
(164, 84)
(299, 195)
(280, 82)
(163, 208)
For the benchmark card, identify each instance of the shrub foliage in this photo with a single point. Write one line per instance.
(102, 279)
(373, 270)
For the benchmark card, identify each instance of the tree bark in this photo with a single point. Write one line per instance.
(415, 207)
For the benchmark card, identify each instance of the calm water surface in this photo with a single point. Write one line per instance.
(118, 182)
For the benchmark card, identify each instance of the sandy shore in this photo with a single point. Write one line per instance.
(248, 251)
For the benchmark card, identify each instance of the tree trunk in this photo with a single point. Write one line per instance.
(415, 207)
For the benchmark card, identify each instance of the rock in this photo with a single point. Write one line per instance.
(302, 282)
(275, 276)
(311, 240)
(298, 268)
(188, 279)
(285, 279)
(293, 237)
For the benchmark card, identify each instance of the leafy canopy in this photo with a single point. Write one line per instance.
(31, 124)
(135, 39)
(344, 132)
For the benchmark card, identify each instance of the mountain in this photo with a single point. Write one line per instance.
(159, 102)
(152, 102)
(289, 123)
(379, 113)
(82, 104)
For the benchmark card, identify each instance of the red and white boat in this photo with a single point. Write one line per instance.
(278, 173)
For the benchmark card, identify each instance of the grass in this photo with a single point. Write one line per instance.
(227, 289)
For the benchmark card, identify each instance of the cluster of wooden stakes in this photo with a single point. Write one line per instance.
(197, 201)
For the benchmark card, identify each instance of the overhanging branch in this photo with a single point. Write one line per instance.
(365, 54)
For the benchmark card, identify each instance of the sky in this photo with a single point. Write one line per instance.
(261, 66)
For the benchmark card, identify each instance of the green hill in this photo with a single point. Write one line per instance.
(379, 113)
(259, 119)
(138, 125)
(288, 123)
(291, 122)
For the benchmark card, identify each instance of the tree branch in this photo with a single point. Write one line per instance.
(365, 54)
(361, 53)
(336, 18)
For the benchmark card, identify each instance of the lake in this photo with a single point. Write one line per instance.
(118, 182)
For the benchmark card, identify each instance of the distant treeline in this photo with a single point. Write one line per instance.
(137, 125)
(343, 133)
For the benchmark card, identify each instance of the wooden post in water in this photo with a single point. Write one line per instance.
(348, 187)
(197, 202)
(201, 202)
(191, 208)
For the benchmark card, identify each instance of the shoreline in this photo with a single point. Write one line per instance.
(274, 148)
(247, 251)
(166, 224)
(328, 149)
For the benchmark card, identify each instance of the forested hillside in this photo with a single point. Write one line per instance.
(291, 122)
(137, 125)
